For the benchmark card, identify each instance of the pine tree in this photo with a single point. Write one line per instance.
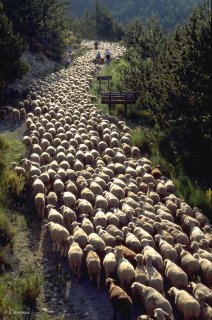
(11, 48)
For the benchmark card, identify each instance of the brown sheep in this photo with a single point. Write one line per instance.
(119, 299)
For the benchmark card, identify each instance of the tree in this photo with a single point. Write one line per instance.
(11, 48)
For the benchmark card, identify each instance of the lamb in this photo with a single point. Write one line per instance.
(154, 278)
(109, 262)
(176, 276)
(59, 235)
(189, 264)
(125, 270)
(152, 299)
(97, 243)
(166, 250)
(93, 264)
(186, 304)
(75, 257)
(119, 299)
(40, 204)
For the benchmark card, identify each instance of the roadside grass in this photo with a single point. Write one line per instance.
(17, 292)
(147, 137)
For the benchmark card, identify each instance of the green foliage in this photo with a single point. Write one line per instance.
(28, 288)
(42, 23)
(172, 75)
(13, 184)
(18, 295)
(98, 23)
(6, 230)
(169, 12)
(11, 48)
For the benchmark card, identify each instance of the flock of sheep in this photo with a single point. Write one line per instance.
(105, 204)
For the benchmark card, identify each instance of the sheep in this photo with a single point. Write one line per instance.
(38, 186)
(201, 252)
(52, 199)
(69, 217)
(208, 234)
(195, 233)
(93, 264)
(189, 264)
(100, 219)
(40, 204)
(79, 235)
(149, 251)
(176, 276)
(87, 225)
(120, 301)
(106, 237)
(75, 257)
(152, 299)
(69, 199)
(101, 202)
(58, 186)
(109, 262)
(95, 240)
(154, 278)
(141, 234)
(131, 240)
(203, 220)
(85, 207)
(140, 271)
(166, 249)
(206, 310)
(196, 288)
(112, 219)
(206, 269)
(112, 201)
(125, 270)
(54, 215)
(59, 235)
(179, 236)
(114, 231)
(185, 303)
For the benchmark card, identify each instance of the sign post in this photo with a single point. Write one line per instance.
(102, 78)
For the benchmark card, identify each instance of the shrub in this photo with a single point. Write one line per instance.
(28, 288)
(13, 184)
(6, 230)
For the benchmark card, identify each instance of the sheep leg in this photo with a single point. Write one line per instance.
(90, 276)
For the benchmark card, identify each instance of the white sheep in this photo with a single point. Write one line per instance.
(176, 276)
(125, 270)
(40, 204)
(186, 304)
(109, 262)
(59, 235)
(75, 257)
(97, 242)
(154, 278)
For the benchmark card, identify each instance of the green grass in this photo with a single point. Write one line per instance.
(15, 149)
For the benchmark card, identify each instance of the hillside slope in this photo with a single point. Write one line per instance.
(170, 12)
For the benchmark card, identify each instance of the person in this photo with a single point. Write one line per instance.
(98, 56)
(67, 60)
(107, 54)
(96, 44)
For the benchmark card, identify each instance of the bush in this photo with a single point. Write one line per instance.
(28, 288)
(13, 184)
(6, 230)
